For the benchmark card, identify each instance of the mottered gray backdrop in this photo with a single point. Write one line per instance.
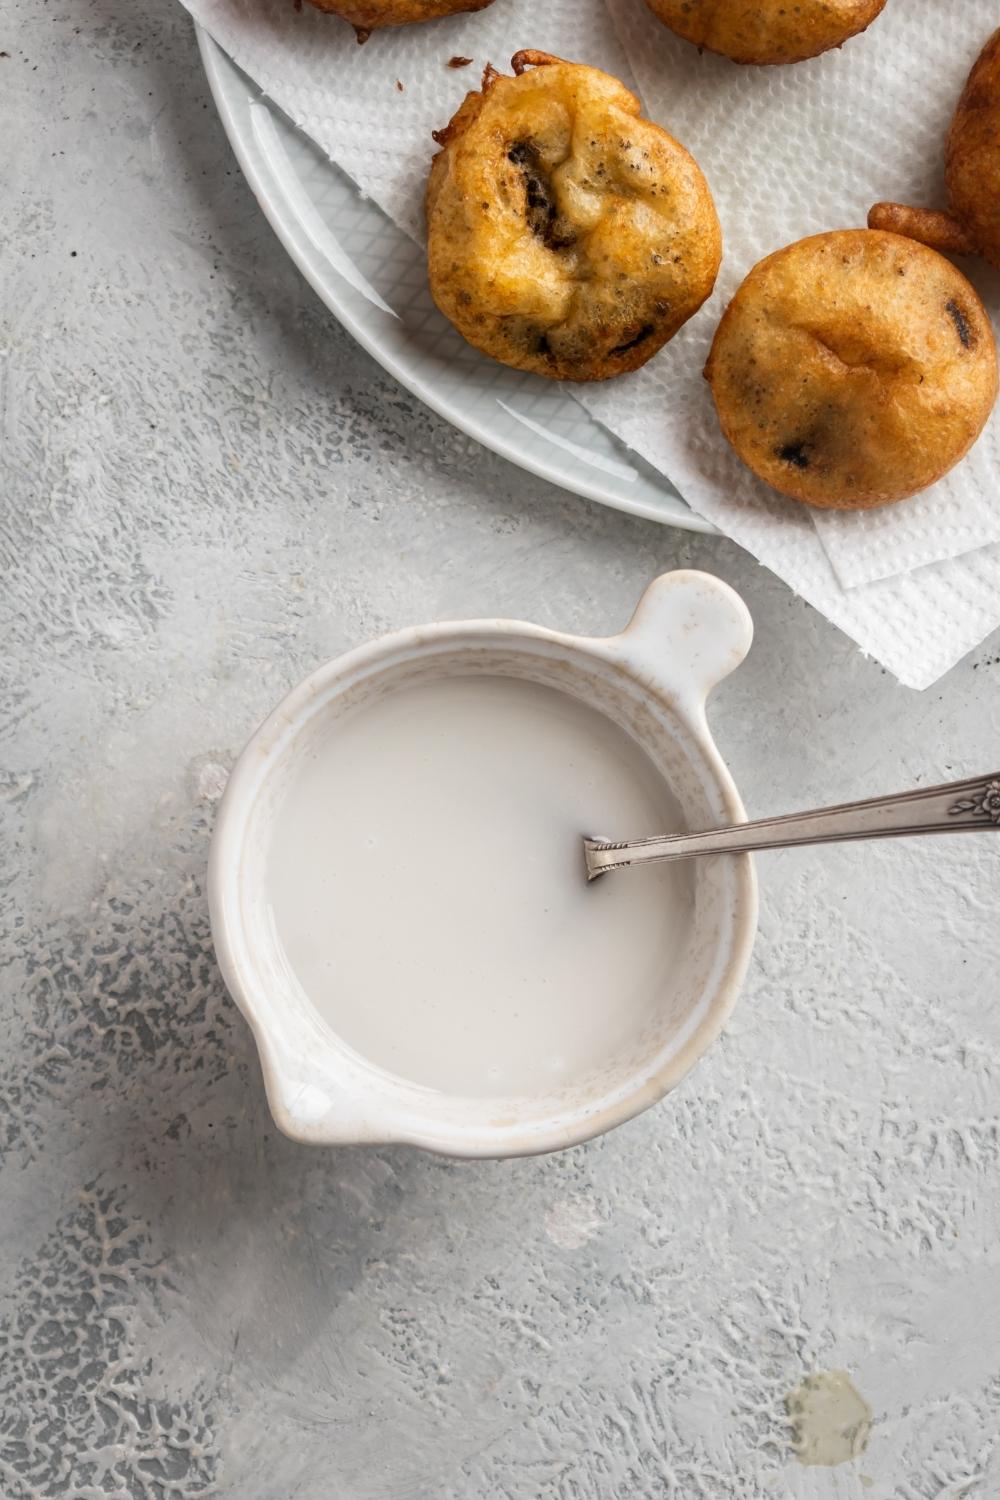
(206, 490)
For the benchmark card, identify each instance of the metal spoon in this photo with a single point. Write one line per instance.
(955, 807)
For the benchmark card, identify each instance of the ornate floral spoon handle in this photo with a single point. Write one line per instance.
(955, 807)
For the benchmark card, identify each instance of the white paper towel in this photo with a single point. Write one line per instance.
(787, 151)
(791, 151)
(918, 624)
(345, 96)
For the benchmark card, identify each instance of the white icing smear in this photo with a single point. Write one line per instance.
(426, 880)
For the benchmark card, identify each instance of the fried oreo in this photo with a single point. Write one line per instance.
(566, 235)
(770, 31)
(853, 368)
(367, 16)
(972, 173)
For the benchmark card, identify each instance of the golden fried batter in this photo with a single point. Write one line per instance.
(768, 31)
(367, 15)
(972, 154)
(853, 368)
(972, 173)
(567, 235)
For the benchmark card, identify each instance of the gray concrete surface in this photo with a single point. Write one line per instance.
(206, 490)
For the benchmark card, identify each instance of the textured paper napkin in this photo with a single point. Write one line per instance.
(787, 152)
(345, 96)
(791, 151)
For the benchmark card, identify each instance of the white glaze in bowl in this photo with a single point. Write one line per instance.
(651, 681)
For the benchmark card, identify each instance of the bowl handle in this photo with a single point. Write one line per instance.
(688, 632)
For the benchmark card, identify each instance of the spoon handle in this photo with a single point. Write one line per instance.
(955, 807)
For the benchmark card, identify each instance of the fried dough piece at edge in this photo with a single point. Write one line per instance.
(853, 368)
(566, 235)
(972, 174)
(972, 154)
(367, 16)
(770, 31)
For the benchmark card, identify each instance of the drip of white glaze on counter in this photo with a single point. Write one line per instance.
(426, 880)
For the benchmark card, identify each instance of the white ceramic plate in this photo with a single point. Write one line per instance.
(372, 277)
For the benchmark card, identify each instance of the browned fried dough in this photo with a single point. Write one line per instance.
(853, 368)
(928, 225)
(972, 173)
(768, 31)
(972, 154)
(566, 234)
(367, 15)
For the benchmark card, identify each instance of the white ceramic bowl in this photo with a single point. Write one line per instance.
(689, 631)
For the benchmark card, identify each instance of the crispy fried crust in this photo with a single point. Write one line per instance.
(768, 31)
(972, 154)
(972, 172)
(367, 15)
(853, 368)
(928, 225)
(566, 234)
